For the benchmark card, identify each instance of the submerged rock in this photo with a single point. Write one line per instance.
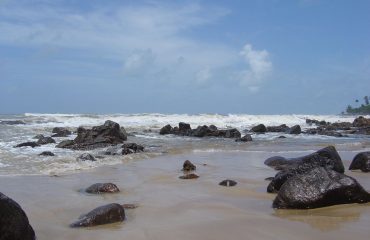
(100, 136)
(28, 144)
(189, 176)
(361, 162)
(319, 187)
(86, 157)
(129, 148)
(12, 122)
(228, 183)
(47, 153)
(14, 224)
(110, 213)
(102, 188)
(188, 166)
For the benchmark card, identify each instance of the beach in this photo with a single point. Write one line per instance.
(169, 207)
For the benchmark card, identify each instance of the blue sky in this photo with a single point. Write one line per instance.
(254, 57)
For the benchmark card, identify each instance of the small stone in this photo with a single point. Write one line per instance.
(86, 157)
(47, 153)
(228, 183)
(102, 188)
(189, 176)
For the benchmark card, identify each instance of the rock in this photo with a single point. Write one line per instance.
(230, 133)
(281, 128)
(115, 150)
(184, 127)
(295, 130)
(61, 132)
(14, 224)
(47, 153)
(45, 140)
(129, 148)
(327, 156)
(166, 130)
(86, 157)
(100, 136)
(12, 122)
(281, 137)
(246, 138)
(320, 187)
(201, 131)
(189, 176)
(65, 144)
(361, 162)
(269, 178)
(102, 188)
(259, 129)
(361, 122)
(228, 183)
(38, 136)
(28, 144)
(188, 166)
(110, 213)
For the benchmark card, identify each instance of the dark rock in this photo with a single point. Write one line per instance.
(47, 153)
(39, 136)
(316, 122)
(327, 156)
(184, 127)
(86, 157)
(115, 150)
(188, 166)
(129, 148)
(65, 144)
(295, 130)
(14, 224)
(102, 188)
(281, 137)
(12, 122)
(110, 213)
(361, 122)
(259, 129)
(281, 128)
(229, 133)
(166, 130)
(228, 183)
(201, 131)
(61, 132)
(320, 187)
(189, 176)
(28, 144)
(45, 140)
(100, 136)
(361, 162)
(246, 138)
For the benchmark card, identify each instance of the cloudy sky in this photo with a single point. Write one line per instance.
(254, 57)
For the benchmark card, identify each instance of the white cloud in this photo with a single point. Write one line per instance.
(259, 67)
(138, 61)
(203, 75)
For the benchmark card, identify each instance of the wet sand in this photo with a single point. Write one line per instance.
(171, 208)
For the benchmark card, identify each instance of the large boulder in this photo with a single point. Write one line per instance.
(361, 162)
(281, 128)
(166, 130)
(327, 156)
(109, 213)
(361, 122)
(14, 224)
(259, 128)
(296, 129)
(319, 187)
(100, 136)
(102, 188)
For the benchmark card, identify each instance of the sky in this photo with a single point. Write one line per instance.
(211, 56)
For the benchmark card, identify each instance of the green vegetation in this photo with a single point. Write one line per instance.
(363, 109)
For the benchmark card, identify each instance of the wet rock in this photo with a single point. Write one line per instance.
(316, 122)
(110, 213)
(129, 148)
(188, 166)
(45, 140)
(12, 122)
(281, 128)
(361, 162)
(259, 128)
(100, 136)
(28, 144)
(115, 150)
(102, 188)
(14, 224)
(166, 130)
(189, 176)
(327, 156)
(184, 127)
(227, 183)
(295, 130)
(229, 133)
(86, 157)
(61, 132)
(361, 122)
(39, 136)
(47, 153)
(65, 144)
(246, 138)
(320, 187)
(281, 137)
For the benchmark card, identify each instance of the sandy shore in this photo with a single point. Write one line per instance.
(170, 208)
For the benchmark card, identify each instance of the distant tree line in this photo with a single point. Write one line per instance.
(363, 109)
